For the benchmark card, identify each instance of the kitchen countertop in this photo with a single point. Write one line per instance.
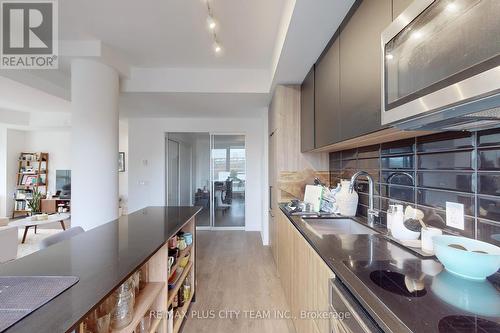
(103, 258)
(353, 257)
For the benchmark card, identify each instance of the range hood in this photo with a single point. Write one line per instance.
(441, 66)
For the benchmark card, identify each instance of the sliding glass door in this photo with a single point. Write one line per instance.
(228, 180)
(209, 171)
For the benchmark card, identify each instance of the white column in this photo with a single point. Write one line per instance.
(94, 164)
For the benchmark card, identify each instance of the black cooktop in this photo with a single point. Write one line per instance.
(427, 298)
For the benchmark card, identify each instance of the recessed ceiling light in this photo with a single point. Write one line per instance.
(452, 7)
(417, 35)
(389, 56)
(217, 48)
(211, 23)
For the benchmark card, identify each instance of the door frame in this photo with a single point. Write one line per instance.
(211, 168)
(212, 183)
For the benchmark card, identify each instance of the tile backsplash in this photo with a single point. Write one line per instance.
(426, 172)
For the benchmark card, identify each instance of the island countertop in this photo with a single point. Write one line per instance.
(103, 258)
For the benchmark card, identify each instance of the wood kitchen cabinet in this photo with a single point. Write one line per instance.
(285, 156)
(307, 109)
(327, 98)
(360, 68)
(285, 250)
(304, 276)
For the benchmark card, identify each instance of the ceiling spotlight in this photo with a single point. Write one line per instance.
(211, 23)
(389, 56)
(217, 48)
(452, 7)
(417, 35)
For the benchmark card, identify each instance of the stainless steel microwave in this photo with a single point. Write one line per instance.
(441, 66)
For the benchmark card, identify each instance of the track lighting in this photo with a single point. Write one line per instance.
(212, 25)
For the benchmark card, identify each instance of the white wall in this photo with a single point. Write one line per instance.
(3, 172)
(147, 160)
(57, 144)
(123, 176)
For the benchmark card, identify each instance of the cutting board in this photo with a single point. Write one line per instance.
(313, 195)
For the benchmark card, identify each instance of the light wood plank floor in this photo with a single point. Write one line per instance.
(236, 273)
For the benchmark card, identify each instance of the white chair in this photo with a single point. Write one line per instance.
(219, 204)
(4, 221)
(61, 236)
(8, 243)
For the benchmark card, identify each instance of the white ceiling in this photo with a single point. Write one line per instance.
(172, 69)
(173, 33)
(133, 105)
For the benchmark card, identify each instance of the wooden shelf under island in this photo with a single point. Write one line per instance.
(143, 304)
(155, 298)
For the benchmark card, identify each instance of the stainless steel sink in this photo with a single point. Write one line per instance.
(338, 226)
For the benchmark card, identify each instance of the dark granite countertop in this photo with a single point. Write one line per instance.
(102, 258)
(353, 257)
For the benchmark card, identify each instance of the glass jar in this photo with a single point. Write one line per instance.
(123, 312)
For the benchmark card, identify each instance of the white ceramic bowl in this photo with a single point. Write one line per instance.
(399, 231)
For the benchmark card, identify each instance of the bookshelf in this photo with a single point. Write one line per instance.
(32, 175)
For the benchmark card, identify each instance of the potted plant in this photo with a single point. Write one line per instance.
(35, 202)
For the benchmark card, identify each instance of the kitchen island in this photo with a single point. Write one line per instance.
(103, 258)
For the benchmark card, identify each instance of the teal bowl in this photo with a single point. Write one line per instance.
(474, 296)
(467, 264)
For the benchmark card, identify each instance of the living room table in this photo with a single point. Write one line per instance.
(28, 222)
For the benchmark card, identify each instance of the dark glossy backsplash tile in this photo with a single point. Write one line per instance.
(429, 171)
(398, 162)
(406, 178)
(489, 159)
(335, 164)
(446, 161)
(488, 232)
(363, 187)
(446, 180)
(438, 199)
(445, 141)
(369, 152)
(364, 200)
(336, 156)
(398, 147)
(488, 183)
(349, 154)
(368, 163)
(489, 138)
(397, 192)
(349, 164)
(437, 218)
(489, 208)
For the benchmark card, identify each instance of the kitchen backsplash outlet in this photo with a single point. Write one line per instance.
(429, 171)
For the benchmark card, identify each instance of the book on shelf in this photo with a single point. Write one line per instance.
(23, 194)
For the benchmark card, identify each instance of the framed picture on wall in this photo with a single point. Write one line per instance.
(121, 162)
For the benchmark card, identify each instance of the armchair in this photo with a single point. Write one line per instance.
(8, 243)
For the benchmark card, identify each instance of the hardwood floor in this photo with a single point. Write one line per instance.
(236, 273)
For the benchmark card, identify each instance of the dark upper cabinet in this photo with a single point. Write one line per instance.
(398, 6)
(360, 68)
(307, 113)
(327, 97)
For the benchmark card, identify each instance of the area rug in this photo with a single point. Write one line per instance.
(32, 240)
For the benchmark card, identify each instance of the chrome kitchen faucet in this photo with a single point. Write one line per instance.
(372, 213)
